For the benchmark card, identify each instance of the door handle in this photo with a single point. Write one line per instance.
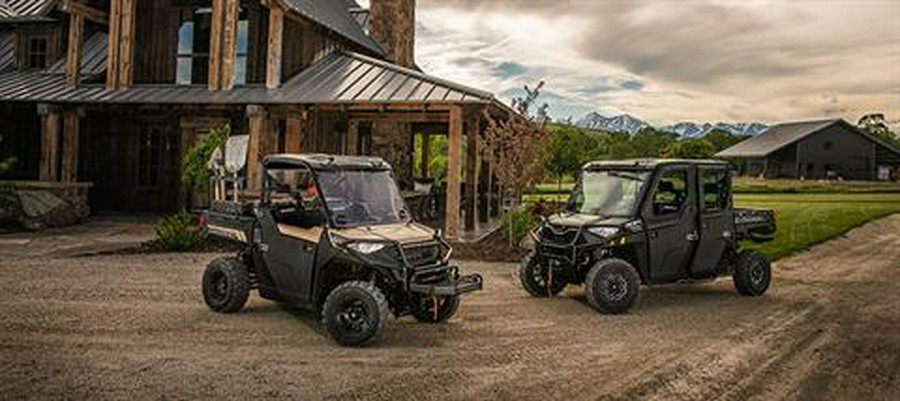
(692, 236)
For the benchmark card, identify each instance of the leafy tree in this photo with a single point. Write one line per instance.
(876, 125)
(650, 142)
(570, 148)
(695, 148)
(721, 140)
(516, 145)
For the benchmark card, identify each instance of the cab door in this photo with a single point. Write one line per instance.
(716, 220)
(670, 217)
(289, 252)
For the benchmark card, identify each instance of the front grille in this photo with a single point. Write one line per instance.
(559, 235)
(422, 254)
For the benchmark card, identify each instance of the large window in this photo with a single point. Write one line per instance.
(716, 189)
(38, 47)
(193, 47)
(670, 195)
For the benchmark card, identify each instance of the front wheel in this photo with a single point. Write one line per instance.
(226, 285)
(752, 274)
(537, 278)
(434, 309)
(612, 286)
(354, 313)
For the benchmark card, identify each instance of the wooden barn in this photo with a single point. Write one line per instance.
(109, 94)
(815, 150)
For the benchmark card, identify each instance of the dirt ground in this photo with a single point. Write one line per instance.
(117, 327)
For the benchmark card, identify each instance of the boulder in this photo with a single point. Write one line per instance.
(44, 209)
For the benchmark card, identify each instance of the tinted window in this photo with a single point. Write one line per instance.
(716, 189)
(670, 194)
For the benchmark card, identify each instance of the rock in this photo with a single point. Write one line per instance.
(43, 208)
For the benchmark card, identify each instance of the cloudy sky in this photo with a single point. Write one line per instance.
(674, 60)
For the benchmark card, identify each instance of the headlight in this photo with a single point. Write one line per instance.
(604, 232)
(366, 247)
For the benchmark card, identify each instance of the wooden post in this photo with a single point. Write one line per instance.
(215, 44)
(276, 34)
(352, 142)
(451, 212)
(256, 128)
(426, 155)
(229, 45)
(71, 133)
(126, 44)
(49, 166)
(293, 134)
(112, 58)
(73, 57)
(472, 143)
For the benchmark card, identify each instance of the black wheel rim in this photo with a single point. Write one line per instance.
(615, 287)
(757, 274)
(219, 286)
(540, 274)
(353, 316)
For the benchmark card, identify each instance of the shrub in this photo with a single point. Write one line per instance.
(8, 199)
(179, 233)
(516, 223)
(195, 173)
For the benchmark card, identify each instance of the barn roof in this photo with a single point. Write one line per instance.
(782, 135)
(342, 77)
(7, 50)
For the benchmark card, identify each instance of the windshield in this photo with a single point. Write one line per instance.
(608, 193)
(359, 197)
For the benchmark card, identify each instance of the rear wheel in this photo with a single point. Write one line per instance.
(354, 313)
(226, 285)
(435, 309)
(612, 286)
(537, 278)
(752, 274)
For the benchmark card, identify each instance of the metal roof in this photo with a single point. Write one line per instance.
(25, 10)
(7, 50)
(335, 15)
(782, 135)
(775, 138)
(93, 57)
(340, 77)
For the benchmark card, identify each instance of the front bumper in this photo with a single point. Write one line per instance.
(458, 285)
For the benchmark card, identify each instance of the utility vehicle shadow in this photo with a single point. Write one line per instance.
(685, 296)
(405, 332)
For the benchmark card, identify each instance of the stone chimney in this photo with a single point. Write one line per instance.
(393, 26)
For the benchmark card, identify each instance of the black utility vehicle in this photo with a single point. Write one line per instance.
(651, 222)
(332, 234)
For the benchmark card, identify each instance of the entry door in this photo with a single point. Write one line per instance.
(671, 221)
(716, 221)
(155, 168)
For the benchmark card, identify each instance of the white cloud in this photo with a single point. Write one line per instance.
(670, 60)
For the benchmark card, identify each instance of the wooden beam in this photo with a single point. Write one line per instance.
(451, 211)
(229, 45)
(112, 58)
(75, 50)
(351, 143)
(86, 11)
(126, 44)
(71, 133)
(293, 134)
(275, 46)
(473, 135)
(426, 155)
(215, 44)
(49, 164)
(256, 128)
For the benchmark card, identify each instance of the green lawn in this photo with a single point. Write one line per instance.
(808, 219)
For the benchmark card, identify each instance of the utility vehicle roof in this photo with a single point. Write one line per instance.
(326, 162)
(650, 164)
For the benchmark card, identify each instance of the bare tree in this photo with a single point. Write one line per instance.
(515, 144)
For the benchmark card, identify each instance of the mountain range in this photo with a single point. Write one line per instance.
(632, 125)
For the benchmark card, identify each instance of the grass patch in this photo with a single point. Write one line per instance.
(805, 220)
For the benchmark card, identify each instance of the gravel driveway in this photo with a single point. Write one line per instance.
(117, 327)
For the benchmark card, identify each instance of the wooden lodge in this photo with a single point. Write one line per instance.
(114, 92)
